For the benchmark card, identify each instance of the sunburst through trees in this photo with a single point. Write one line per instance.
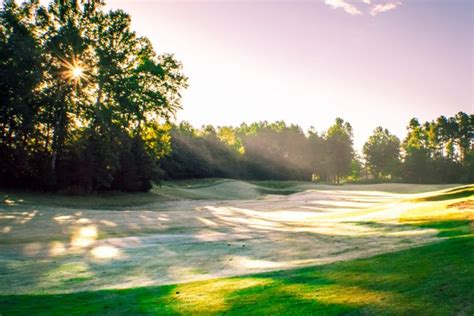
(85, 100)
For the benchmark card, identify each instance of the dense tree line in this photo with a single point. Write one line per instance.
(439, 151)
(260, 151)
(83, 98)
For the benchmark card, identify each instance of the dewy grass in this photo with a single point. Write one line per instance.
(435, 279)
(189, 240)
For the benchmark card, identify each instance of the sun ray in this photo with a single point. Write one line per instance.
(74, 70)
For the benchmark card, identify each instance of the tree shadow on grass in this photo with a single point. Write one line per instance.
(448, 228)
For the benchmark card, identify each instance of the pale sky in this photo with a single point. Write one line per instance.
(307, 62)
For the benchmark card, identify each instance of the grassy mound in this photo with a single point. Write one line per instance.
(454, 193)
(212, 189)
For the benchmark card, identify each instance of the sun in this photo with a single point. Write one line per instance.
(77, 72)
(74, 70)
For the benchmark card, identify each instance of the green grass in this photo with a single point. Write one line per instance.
(99, 201)
(437, 279)
(204, 189)
(448, 228)
(456, 193)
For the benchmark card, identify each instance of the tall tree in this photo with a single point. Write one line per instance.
(87, 89)
(382, 151)
(340, 152)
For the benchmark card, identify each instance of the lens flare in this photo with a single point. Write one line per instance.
(74, 70)
(77, 73)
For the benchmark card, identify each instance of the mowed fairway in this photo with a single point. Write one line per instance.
(52, 247)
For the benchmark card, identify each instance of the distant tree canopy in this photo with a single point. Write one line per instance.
(433, 152)
(260, 151)
(83, 98)
(440, 150)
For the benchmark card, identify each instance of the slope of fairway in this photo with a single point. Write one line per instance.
(200, 189)
(227, 189)
(187, 231)
(209, 189)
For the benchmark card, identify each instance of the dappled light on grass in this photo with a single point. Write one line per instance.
(209, 296)
(28, 217)
(63, 218)
(249, 263)
(107, 223)
(9, 202)
(459, 209)
(333, 294)
(66, 274)
(181, 241)
(206, 221)
(310, 222)
(32, 249)
(56, 248)
(83, 221)
(84, 237)
(434, 279)
(105, 252)
(19, 217)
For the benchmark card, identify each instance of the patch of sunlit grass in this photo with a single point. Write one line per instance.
(450, 194)
(209, 296)
(84, 236)
(56, 248)
(66, 271)
(445, 210)
(105, 252)
(338, 294)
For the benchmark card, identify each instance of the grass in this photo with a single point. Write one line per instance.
(448, 228)
(195, 183)
(272, 184)
(436, 279)
(461, 192)
(205, 189)
(111, 200)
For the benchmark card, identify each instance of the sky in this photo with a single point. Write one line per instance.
(370, 62)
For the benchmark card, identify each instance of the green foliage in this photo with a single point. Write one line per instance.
(439, 151)
(83, 98)
(340, 152)
(382, 151)
(433, 152)
(260, 151)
